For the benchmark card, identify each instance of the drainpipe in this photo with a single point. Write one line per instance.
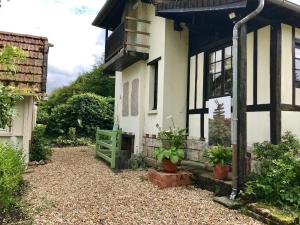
(234, 133)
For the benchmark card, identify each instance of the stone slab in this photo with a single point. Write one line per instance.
(165, 180)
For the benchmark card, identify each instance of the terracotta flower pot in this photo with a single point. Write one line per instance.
(221, 172)
(168, 166)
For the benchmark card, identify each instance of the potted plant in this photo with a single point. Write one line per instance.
(220, 157)
(171, 151)
(169, 157)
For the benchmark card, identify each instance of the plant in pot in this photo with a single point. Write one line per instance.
(220, 157)
(169, 157)
(171, 152)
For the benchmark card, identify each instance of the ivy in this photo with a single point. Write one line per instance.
(10, 57)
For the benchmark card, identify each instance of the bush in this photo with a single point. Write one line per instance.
(85, 112)
(277, 180)
(40, 149)
(11, 175)
(65, 142)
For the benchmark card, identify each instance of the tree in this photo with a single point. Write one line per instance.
(219, 127)
(9, 58)
(94, 81)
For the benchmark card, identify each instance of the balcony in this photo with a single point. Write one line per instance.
(127, 44)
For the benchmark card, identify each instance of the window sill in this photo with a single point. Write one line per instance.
(152, 112)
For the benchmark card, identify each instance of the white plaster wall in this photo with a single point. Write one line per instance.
(200, 80)
(263, 65)
(258, 127)
(194, 126)
(132, 124)
(192, 82)
(250, 53)
(286, 65)
(22, 126)
(175, 75)
(290, 122)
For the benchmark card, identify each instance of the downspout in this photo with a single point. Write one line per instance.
(234, 132)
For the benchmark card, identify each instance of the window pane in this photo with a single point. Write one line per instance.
(216, 76)
(297, 75)
(228, 64)
(228, 82)
(219, 55)
(228, 53)
(212, 57)
(297, 53)
(218, 67)
(212, 68)
(297, 64)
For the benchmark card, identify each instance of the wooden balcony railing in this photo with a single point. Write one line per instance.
(162, 5)
(124, 37)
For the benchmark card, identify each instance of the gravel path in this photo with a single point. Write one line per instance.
(78, 189)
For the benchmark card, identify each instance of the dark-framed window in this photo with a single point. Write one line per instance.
(220, 71)
(297, 63)
(153, 83)
(155, 91)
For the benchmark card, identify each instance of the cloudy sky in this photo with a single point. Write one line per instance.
(67, 24)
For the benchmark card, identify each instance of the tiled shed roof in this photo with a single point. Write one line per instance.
(31, 74)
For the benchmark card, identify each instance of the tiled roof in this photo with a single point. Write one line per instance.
(31, 74)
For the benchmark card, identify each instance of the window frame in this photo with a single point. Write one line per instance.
(296, 46)
(153, 93)
(207, 73)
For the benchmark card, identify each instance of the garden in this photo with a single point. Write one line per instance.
(65, 182)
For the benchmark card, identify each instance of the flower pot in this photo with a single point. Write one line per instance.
(221, 172)
(168, 166)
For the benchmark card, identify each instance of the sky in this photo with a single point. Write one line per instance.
(67, 24)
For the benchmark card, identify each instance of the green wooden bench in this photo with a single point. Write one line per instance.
(108, 145)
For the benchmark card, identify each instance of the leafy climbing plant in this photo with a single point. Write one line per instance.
(9, 58)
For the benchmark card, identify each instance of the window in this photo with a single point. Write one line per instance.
(153, 85)
(220, 72)
(297, 64)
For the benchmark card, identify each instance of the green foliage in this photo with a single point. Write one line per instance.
(43, 113)
(219, 155)
(94, 81)
(9, 96)
(85, 112)
(173, 154)
(10, 56)
(172, 144)
(62, 141)
(11, 175)
(137, 161)
(40, 149)
(277, 178)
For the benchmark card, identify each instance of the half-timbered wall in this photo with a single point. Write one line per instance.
(260, 78)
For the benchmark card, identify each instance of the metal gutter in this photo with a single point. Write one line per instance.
(234, 132)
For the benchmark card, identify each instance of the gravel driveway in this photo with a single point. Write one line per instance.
(78, 189)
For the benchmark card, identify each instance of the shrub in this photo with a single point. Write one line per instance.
(277, 179)
(11, 175)
(62, 141)
(40, 149)
(85, 112)
(219, 155)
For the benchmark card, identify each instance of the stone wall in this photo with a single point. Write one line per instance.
(194, 148)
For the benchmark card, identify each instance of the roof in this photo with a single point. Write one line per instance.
(32, 73)
(110, 15)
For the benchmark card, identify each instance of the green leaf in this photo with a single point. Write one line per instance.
(180, 153)
(174, 159)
